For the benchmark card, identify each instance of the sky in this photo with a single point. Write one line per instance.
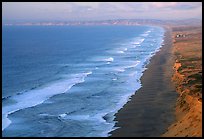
(89, 11)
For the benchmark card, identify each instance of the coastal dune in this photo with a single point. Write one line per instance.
(187, 78)
(189, 122)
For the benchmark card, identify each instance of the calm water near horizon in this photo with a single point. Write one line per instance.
(69, 81)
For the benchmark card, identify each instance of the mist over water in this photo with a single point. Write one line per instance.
(70, 81)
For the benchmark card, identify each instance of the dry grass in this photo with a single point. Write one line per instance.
(188, 81)
(188, 51)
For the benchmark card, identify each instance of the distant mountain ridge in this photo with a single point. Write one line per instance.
(113, 22)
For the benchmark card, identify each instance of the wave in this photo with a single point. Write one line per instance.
(102, 59)
(95, 119)
(145, 34)
(110, 59)
(120, 52)
(114, 79)
(122, 69)
(46, 115)
(37, 96)
(132, 66)
(7, 97)
(139, 41)
(105, 117)
(125, 49)
(148, 31)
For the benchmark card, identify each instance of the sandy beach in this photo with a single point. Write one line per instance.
(102, 69)
(169, 104)
(151, 109)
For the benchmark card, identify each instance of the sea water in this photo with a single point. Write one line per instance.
(70, 81)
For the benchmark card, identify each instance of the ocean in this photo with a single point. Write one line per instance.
(70, 81)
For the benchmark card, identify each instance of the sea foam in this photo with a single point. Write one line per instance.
(120, 52)
(100, 121)
(110, 59)
(38, 96)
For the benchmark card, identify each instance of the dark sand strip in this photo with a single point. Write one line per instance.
(151, 109)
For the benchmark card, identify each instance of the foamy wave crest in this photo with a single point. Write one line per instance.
(132, 66)
(95, 119)
(138, 41)
(125, 49)
(114, 79)
(120, 52)
(122, 69)
(76, 117)
(103, 59)
(110, 59)
(146, 33)
(5, 121)
(37, 96)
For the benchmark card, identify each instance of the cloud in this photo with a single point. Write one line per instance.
(187, 5)
(99, 10)
(163, 4)
(176, 5)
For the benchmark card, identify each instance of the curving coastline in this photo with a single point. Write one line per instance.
(151, 109)
(169, 104)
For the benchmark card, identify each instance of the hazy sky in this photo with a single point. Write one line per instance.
(69, 11)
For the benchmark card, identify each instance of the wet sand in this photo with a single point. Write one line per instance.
(151, 110)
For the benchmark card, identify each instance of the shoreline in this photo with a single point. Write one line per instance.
(151, 109)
